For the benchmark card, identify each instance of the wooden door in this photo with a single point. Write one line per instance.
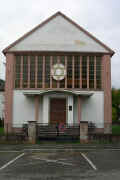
(57, 110)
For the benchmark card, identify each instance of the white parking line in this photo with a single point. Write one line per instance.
(10, 162)
(55, 161)
(89, 161)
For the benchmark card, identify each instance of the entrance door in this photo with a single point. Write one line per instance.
(58, 110)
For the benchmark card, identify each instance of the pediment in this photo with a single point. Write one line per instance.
(60, 34)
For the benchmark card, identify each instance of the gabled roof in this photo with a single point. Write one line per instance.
(110, 51)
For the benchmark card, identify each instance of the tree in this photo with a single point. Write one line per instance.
(114, 114)
(115, 104)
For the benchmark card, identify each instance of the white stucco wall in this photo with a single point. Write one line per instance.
(58, 35)
(40, 116)
(93, 109)
(23, 108)
(75, 110)
(45, 109)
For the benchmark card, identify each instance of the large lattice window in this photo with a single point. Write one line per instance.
(82, 72)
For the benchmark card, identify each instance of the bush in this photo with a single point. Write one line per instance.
(116, 129)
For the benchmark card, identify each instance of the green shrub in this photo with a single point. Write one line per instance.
(116, 129)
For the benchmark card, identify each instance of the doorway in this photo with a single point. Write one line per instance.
(58, 110)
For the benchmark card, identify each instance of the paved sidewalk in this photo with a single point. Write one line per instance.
(56, 146)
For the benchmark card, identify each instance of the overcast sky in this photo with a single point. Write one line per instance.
(99, 17)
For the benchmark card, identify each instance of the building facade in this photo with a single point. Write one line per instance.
(58, 73)
(2, 99)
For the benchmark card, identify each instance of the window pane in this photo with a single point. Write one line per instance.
(91, 72)
(77, 71)
(39, 71)
(54, 82)
(62, 61)
(32, 72)
(17, 72)
(98, 72)
(47, 71)
(84, 72)
(69, 71)
(25, 71)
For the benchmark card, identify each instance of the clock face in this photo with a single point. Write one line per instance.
(58, 72)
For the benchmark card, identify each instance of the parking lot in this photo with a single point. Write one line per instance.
(68, 164)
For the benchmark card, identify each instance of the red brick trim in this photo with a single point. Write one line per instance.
(107, 89)
(10, 59)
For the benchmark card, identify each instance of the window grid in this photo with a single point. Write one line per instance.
(40, 72)
(87, 71)
(62, 61)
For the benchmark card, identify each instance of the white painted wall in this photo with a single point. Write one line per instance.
(23, 108)
(45, 109)
(58, 35)
(75, 110)
(93, 109)
(40, 116)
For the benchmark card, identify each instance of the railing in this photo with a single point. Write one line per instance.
(18, 131)
(52, 130)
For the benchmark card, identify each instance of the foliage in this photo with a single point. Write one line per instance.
(115, 104)
(116, 129)
(1, 122)
(114, 114)
(1, 130)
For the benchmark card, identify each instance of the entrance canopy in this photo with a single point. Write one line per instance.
(42, 92)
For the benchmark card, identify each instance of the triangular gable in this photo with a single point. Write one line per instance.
(61, 34)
